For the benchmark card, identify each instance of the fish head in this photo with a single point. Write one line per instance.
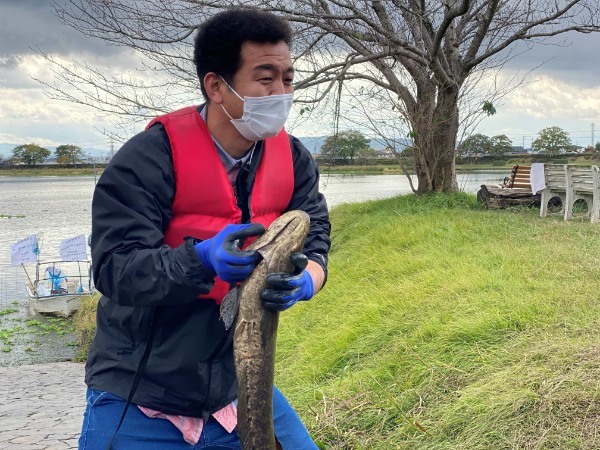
(287, 231)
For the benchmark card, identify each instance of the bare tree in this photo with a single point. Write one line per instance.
(422, 53)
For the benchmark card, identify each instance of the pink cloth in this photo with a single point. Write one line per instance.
(191, 427)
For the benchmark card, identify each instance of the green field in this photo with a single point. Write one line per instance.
(503, 165)
(447, 326)
(49, 171)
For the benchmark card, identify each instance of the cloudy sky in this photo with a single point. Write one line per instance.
(26, 113)
(564, 92)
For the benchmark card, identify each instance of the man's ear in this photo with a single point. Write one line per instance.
(213, 84)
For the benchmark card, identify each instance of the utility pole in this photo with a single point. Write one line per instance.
(93, 159)
(593, 126)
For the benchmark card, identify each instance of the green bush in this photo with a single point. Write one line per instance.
(85, 324)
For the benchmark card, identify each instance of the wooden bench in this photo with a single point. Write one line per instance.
(571, 183)
(514, 191)
(519, 178)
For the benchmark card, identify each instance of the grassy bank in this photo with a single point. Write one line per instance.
(379, 167)
(446, 326)
(503, 165)
(49, 171)
(32, 340)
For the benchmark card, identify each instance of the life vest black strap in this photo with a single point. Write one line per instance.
(137, 377)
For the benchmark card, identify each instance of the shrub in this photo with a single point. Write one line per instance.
(85, 324)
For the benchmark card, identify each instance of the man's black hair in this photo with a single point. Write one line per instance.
(219, 40)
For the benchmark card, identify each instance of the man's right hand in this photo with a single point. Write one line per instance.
(222, 254)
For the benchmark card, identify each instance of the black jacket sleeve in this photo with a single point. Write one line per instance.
(307, 197)
(131, 209)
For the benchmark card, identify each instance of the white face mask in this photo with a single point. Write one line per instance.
(263, 117)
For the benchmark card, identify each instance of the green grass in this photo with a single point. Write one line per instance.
(18, 333)
(445, 326)
(48, 171)
(382, 167)
(391, 168)
(84, 322)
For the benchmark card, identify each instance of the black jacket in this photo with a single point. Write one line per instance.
(147, 285)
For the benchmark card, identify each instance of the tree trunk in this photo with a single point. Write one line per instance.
(435, 127)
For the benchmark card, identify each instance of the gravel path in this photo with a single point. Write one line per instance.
(41, 406)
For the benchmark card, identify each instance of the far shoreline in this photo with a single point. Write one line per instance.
(44, 171)
(326, 168)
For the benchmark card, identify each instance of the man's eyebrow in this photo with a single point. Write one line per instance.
(272, 68)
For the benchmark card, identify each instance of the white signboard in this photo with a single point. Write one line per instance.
(73, 249)
(24, 251)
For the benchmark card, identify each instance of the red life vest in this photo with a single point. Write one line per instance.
(204, 199)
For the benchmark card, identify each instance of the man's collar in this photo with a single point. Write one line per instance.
(228, 161)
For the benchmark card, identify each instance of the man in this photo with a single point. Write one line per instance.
(168, 214)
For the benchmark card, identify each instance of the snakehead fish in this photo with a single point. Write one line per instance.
(256, 329)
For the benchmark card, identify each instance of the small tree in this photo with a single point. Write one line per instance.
(30, 154)
(408, 152)
(500, 144)
(346, 144)
(68, 154)
(475, 145)
(365, 153)
(553, 140)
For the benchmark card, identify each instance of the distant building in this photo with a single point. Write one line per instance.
(517, 150)
(102, 159)
(384, 154)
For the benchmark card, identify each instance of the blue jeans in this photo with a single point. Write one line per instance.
(138, 431)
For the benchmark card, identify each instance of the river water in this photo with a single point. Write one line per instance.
(60, 207)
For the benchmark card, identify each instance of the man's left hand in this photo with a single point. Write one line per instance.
(285, 289)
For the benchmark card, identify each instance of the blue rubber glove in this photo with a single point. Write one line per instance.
(222, 254)
(285, 289)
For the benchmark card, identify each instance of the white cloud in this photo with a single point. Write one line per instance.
(542, 102)
(552, 98)
(24, 139)
(28, 114)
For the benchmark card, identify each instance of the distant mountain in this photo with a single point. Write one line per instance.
(314, 144)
